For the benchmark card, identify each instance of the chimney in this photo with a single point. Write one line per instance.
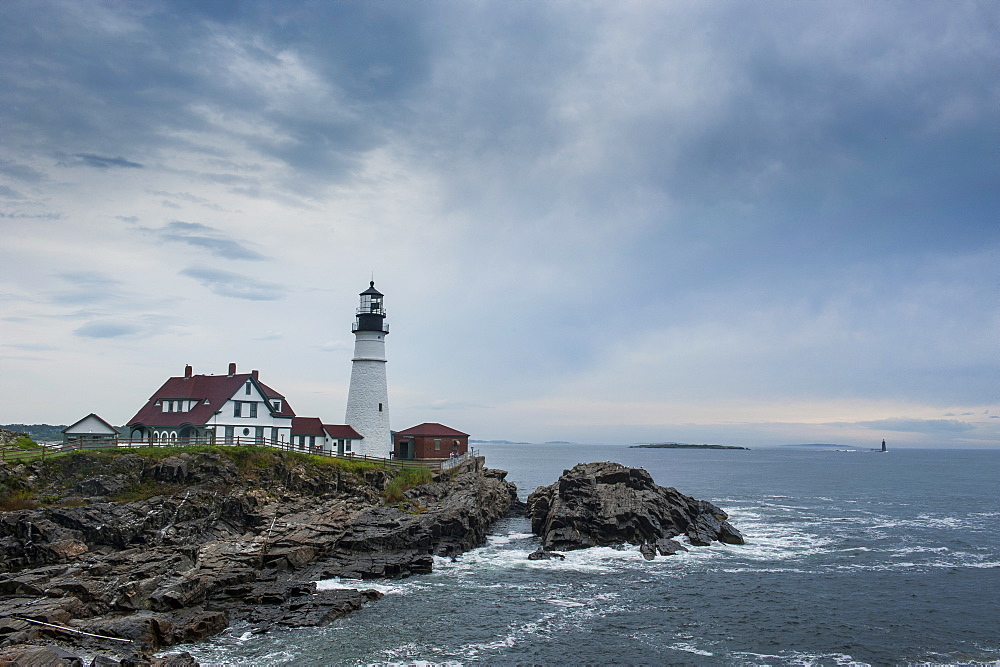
(188, 370)
(232, 369)
(255, 374)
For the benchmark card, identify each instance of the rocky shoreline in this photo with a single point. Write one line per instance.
(124, 554)
(215, 541)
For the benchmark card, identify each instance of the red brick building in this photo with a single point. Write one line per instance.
(429, 441)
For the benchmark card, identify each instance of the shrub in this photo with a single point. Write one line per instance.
(24, 442)
(407, 478)
(17, 500)
(346, 464)
(144, 491)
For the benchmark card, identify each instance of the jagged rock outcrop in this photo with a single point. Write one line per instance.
(226, 540)
(608, 504)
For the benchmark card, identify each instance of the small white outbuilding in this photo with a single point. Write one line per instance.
(91, 429)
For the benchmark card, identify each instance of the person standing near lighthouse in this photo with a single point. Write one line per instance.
(368, 396)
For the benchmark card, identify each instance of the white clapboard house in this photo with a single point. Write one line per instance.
(236, 408)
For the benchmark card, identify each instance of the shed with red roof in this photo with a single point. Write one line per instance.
(429, 441)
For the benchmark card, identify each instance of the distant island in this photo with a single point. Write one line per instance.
(677, 445)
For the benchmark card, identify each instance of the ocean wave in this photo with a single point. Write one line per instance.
(383, 586)
(689, 648)
(800, 658)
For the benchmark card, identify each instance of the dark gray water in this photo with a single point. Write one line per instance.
(851, 558)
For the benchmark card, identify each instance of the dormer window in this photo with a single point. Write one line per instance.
(277, 405)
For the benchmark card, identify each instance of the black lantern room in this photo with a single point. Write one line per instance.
(371, 312)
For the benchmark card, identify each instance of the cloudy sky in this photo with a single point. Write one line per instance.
(727, 222)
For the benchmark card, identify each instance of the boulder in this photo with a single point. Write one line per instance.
(667, 547)
(608, 504)
(101, 485)
(43, 656)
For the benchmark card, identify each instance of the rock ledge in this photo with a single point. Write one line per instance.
(608, 504)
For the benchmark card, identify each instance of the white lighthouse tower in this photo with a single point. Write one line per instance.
(368, 398)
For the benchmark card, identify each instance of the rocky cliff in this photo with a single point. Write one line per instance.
(608, 504)
(162, 551)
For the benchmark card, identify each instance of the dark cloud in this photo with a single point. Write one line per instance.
(107, 329)
(181, 226)
(21, 172)
(9, 193)
(226, 248)
(207, 238)
(312, 85)
(29, 216)
(102, 162)
(30, 347)
(187, 197)
(234, 285)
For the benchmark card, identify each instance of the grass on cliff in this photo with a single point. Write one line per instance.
(51, 482)
(24, 443)
(407, 478)
(246, 457)
(144, 491)
(19, 499)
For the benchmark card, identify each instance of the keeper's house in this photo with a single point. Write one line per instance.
(236, 408)
(429, 441)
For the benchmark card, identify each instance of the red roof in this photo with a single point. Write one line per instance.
(342, 431)
(432, 429)
(307, 426)
(215, 389)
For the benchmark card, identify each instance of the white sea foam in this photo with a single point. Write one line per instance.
(565, 603)
(546, 627)
(381, 585)
(690, 648)
(798, 658)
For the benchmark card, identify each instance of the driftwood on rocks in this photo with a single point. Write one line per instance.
(608, 504)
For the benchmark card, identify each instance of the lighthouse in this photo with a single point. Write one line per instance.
(368, 397)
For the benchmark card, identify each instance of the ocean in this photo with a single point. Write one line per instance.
(852, 557)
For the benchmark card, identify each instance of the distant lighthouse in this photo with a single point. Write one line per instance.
(368, 398)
